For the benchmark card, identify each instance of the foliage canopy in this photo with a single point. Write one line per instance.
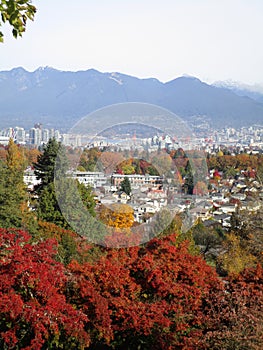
(16, 13)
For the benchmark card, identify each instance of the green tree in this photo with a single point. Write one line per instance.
(16, 13)
(189, 178)
(126, 186)
(87, 198)
(209, 241)
(53, 157)
(58, 194)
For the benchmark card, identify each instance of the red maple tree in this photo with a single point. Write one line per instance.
(34, 312)
(148, 296)
(234, 315)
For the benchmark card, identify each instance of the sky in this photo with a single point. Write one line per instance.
(213, 40)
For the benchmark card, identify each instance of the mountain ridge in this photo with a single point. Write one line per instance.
(59, 98)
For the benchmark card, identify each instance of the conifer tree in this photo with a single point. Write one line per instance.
(126, 186)
(45, 165)
(189, 178)
(56, 189)
(47, 205)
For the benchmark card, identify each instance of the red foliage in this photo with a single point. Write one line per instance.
(33, 310)
(156, 297)
(175, 282)
(216, 175)
(153, 294)
(234, 317)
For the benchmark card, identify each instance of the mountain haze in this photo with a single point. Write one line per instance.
(58, 98)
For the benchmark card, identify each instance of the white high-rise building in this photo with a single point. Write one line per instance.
(20, 135)
(35, 136)
(45, 135)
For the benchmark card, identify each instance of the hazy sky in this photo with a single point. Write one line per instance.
(210, 39)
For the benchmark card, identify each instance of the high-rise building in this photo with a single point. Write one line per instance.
(20, 135)
(45, 135)
(35, 136)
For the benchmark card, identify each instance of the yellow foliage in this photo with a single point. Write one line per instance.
(236, 258)
(14, 159)
(117, 215)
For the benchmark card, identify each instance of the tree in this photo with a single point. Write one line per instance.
(76, 204)
(127, 166)
(248, 228)
(48, 208)
(45, 166)
(61, 200)
(14, 159)
(126, 186)
(235, 258)
(89, 159)
(233, 315)
(68, 204)
(31, 155)
(16, 13)
(148, 297)
(189, 178)
(209, 241)
(110, 161)
(200, 189)
(71, 246)
(52, 162)
(259, 173)
(12, 188)
(34, 312)
(162, 163)
(117, 215)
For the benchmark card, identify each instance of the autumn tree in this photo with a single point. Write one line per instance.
(162, 163)
(71, 246)
(150, 297)
(3, 153)
(235, 257)
(110, 161)
(34, 312)
(248, 228)
(31, 155)
(200, 189)
(89, 159)
(233, 315)
(12, 188)
(117, 215)
(16, 13)
(127, 166)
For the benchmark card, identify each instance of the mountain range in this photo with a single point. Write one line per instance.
(60, 98)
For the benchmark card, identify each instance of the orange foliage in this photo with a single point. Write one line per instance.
(31, 155)
(117, 215)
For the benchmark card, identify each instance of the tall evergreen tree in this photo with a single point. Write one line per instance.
(45, 169)
(57, 191)
(46, 163)
(189, 178)
(126, 186)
